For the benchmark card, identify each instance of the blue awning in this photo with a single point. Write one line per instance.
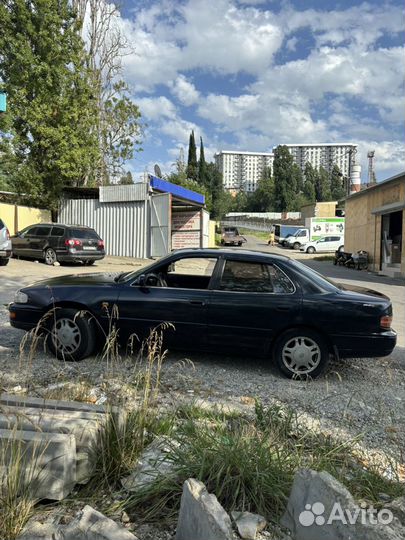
(177, 191)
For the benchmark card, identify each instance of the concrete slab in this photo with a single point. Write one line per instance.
(48, 461)
(117, 413)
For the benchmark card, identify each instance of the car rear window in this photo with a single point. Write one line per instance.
(84, 233)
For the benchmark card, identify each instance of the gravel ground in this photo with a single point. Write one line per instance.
(364, 396)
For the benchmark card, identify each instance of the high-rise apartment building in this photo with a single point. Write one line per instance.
(242, 170)
(325, 155)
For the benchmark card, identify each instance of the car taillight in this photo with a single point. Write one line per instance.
(72, 242)
(7, 234)
(101, 244)
(386, 321)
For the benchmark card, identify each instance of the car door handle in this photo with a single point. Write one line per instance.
(197, 302)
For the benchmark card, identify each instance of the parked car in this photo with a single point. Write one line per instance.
(324, 244)
(5, 244)
(219, 300)
(282, 232)
(230, 237)
(53, 242)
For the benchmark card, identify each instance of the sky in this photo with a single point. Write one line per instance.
(251, 74)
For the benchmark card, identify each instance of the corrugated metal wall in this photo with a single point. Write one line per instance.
(123, 226)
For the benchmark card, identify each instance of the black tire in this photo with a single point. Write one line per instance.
(90, 263)
(311, 250)
(341, 249)
(79, 326)
(4, 261)
(50, 256)
(239, 244)
(309, 340)
(296, 245)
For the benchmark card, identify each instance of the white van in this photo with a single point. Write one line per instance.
(324, 244)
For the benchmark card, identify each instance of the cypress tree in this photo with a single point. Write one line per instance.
(192, 165)
(202, 165)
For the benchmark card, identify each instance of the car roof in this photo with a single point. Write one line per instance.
(58, 225)
(215, 252)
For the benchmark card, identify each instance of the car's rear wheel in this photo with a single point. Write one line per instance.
(90, 263)
(311, 250)
(72, 334)
(301, 353)
(50, 256)
(4, 261)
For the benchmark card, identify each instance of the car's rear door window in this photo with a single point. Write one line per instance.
(57, 231)
(42, 231)
(241, 276)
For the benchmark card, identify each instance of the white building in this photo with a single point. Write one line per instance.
(242, 170)
(324, 155)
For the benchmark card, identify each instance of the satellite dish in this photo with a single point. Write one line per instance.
(157, 170)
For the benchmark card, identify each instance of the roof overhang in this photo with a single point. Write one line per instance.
(389, 208)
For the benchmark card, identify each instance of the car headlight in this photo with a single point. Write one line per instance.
(20, 297)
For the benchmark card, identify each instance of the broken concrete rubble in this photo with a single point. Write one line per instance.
(201, 516)
(316, 497)
(154, 463)
(248, 525)
(73, 428)
(89, 524)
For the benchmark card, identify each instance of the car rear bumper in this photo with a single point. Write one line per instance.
(5, 253)
(81, 256)
(370, 346)
(24, 316)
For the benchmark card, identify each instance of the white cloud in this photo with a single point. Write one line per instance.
(184, 90)
(347, 72)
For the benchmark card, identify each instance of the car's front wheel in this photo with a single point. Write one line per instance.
(311, 250)
(72, 334)
(4, 261)
(301, 353)
(296, 245)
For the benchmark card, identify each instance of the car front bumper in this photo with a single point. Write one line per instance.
(24, 316)
(369, 346)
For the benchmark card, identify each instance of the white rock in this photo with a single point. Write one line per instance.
(201, 516)
(248, 524)
(92, 525)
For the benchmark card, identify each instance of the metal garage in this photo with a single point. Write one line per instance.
(142, 220)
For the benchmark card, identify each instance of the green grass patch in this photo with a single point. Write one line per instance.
(249, 464)
(324, 258)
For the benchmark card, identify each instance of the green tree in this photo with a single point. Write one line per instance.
(202, 166)
(322, 185)
(43, 69)
(126, 179)
(310, 175)
(285, 180)
(192, 166)
(336, 184)
(262, 200)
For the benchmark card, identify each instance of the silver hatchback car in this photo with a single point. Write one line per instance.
(5, 244)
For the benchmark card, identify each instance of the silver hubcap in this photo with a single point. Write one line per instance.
(50, 256)
(66, 336)
(301, 355)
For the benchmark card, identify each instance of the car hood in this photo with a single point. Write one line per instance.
(363, 293)
(88, 280)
